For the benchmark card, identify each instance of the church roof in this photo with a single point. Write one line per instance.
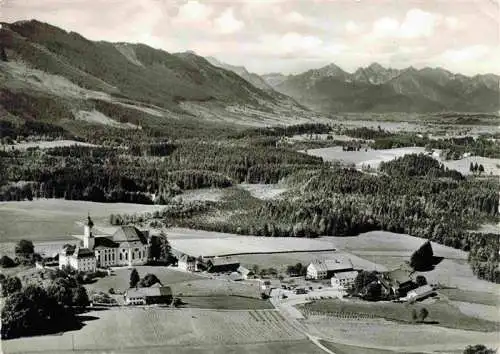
(129, 234)
(81, 252)
(105, 242)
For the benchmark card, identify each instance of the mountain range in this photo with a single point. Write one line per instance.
(378, 89)
(51, 75)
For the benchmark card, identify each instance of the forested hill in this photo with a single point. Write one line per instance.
(50, 75)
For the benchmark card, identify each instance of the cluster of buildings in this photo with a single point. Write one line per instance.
(128, 246)
(340, 272)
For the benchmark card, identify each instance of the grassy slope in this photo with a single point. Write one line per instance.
(441, 312)
(158, 80)
(142, 328)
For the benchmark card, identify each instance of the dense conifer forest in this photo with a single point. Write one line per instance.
(414, 194)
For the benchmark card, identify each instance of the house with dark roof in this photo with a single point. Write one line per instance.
(128, 246)
(147, 296)
(222, 265)
(398, 282)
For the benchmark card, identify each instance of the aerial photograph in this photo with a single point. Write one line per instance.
(250, 176)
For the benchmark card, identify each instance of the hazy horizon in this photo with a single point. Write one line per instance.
(290, 37)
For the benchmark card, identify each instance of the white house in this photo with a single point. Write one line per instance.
(322, 269)
(344, 279)
(79, 258)
(187, 263)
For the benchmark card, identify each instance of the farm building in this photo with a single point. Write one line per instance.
(245, 273)
(420, 293)
(78, 258)
(344, 279)
(187, 263)
(146, 296)
(128, 246)
(322, 269)
(222, 265)
(398, 282)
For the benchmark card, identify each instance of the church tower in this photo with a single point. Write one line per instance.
(88, 237)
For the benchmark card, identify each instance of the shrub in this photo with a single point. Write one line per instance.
(7, 262)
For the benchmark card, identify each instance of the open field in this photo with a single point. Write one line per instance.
(281, 260)
(490, 165)
(122, 329)
(208, 246)
(491, 299)
(120, 279)
(370, 157)
(210, 194)
(46, 144)
(264, 191)
(396, 337)
(350, 349)
(226, 303)
(391, 244)
(441, 313)
(374, 157)
(485, 312)
(54, 219)
(217, 287)
(285, 347)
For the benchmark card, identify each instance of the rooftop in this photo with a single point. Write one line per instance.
(153, 291)
(81, 252)
(346, 275)
(129, 234)
(332, 265)
(217, 261)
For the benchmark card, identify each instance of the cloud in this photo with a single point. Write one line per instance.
(452, 23)
(352, 27)
(466, 54)
(226, 23)
(416, 24)
(194, 14)
(295, 17)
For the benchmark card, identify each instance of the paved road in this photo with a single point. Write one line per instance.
(288, 310)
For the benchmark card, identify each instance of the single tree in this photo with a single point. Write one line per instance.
(7, 262)
(481, 169)
(134, 278)
(24, 248)
(80, 297)
(422, 315)
(471, 167)
(149, 280)
(423, 258)
(414, 315)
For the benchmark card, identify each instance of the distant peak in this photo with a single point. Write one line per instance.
(376, 66)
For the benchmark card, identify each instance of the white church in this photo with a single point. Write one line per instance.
(128, 246)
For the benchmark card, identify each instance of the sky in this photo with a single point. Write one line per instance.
(290, 36)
